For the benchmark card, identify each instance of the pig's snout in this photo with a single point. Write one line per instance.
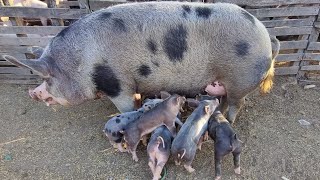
(33, 95)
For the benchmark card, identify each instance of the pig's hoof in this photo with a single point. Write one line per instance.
(156, 178)
(177, 163)
(237, 170)
(189, 169)
(217, 178)
(136, 159)
(199, 147)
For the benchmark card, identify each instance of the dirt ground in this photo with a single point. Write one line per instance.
(39, 142)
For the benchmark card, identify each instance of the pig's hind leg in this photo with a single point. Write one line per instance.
(161, 161)
(152, 162)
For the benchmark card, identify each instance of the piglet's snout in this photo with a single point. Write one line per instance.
(41, 93)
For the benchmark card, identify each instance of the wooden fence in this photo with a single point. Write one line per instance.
(296, 24)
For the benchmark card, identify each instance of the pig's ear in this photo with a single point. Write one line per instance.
(164, 94)
(36, 65)
(193, 103)
(37, 51)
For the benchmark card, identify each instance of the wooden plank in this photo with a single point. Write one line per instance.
(96, 5)
(312, 56)
(16, 55)
(18, 81)
(289, 57)
(14, 70)
(15, 49)
(29, 12)
(25, 41)
(286, 70)
(66, 4)
(43, 30)
(288, 22)
(22, 77)
(317, 24)
(268, 2)
(314, 46)
(283, 31)
(293, 44)
(310, 68)
(288, 11)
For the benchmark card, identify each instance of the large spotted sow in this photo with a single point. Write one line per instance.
(178, 47)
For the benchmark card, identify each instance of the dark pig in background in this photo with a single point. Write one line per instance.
(164, 113)
(153, 46)
(184, 145)
(225, 141)
(159, 150)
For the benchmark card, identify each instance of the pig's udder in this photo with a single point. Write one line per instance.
(216, 89)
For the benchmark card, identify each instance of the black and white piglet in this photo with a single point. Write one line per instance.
(225, 141)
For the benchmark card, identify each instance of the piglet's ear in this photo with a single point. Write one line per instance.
(164, 94)
(38, 66)
(192, 103)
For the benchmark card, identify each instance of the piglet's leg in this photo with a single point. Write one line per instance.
(200, 142)
(144, 140)
(120, 147)
(134, 153)
(152, 164)
(158, 170)
(188, 168)
(236, 162)
(217, 163)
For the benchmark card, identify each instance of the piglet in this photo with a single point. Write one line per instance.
(159, 150)
(163, 114)
(184, 145)
(225, 141)
(116, 124)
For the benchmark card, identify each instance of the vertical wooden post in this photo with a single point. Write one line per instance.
(84, 4)
(53, 4)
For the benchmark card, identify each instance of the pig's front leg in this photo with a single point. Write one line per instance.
(217, 164)
(144, 140)
(178, 121)
(236, 162)
(134, 153)
(200, 142)
(187, 165)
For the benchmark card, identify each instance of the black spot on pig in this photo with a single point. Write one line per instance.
(248, 16)
(152, 46)
(144, 70)
(128, 118)
(186, 10)
(114, 134)
(106, 81)
(203, 12)
(175, 43)
(118, 25)
(118, 116)
(118, 120)
(105, 15)
(242, 48)
(118, 140)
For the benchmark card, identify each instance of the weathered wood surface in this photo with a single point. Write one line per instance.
(96, 5)
(288, 22)
(289, 57)
(14, 49)
(288, 11)
(25, 41)
(29, 12)
(282, 31)
(269, 2)
(286, 70)
(43, 30)
(16, 55)
(14, 70)
(310, 68)
(312, 56)
(66, 4)
(19, 81)
(293, 44)
(314, 46)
